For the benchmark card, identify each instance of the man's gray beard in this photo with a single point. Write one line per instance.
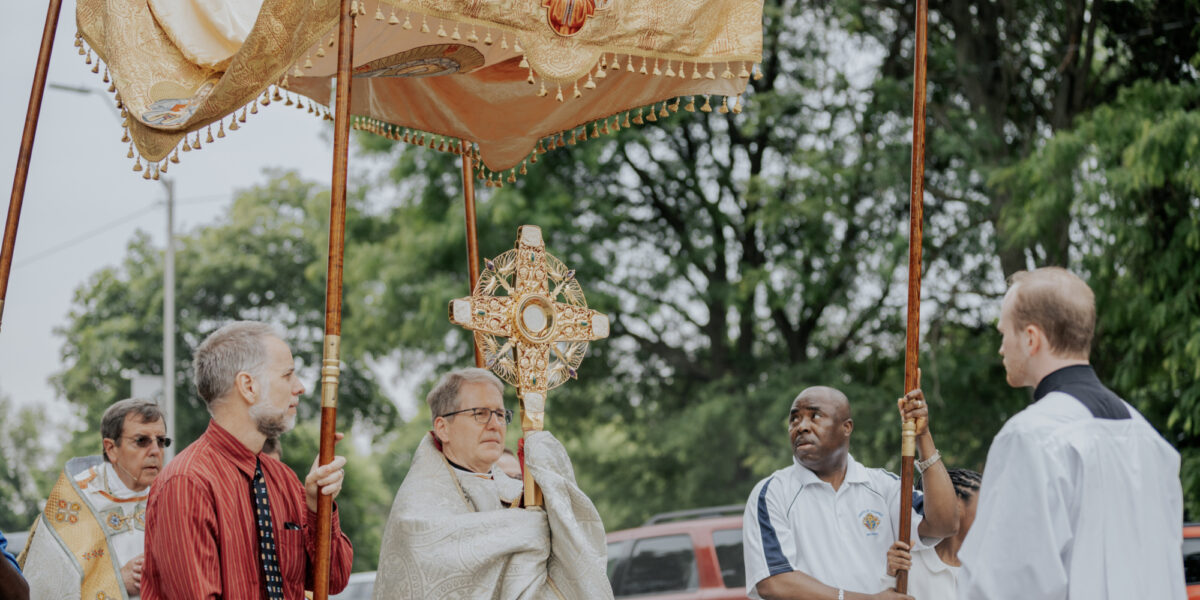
(269, 422)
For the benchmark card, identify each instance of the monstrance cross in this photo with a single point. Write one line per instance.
(529, 338)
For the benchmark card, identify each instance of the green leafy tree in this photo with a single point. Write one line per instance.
(26, 456)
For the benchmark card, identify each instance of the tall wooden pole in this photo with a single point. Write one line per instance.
(472, 237)
(26, 151)
(916, 219)
(330, 364)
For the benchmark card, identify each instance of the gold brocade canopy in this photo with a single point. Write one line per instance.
(502, 75)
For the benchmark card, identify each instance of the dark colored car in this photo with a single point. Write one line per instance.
(685, 555)
(1191, 559)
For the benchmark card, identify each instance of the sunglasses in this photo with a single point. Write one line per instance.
(144, 441)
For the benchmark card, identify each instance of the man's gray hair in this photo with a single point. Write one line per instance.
(112, 423)
(444, 396)
(236, 347)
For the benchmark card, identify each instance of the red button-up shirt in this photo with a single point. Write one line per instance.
(201, 537)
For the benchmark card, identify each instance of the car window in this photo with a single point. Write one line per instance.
(658, 565)
(728, 543)
(1191, 560)
(617, 553)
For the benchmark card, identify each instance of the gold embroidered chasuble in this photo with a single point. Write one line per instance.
(91, 525)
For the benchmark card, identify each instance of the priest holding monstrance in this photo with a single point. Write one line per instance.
(460, 527)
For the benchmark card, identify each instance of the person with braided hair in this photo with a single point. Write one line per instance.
(933, 572)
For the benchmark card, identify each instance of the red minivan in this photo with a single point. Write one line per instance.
(685, 555)
(1191, 559)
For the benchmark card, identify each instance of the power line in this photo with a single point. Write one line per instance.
(86, 236)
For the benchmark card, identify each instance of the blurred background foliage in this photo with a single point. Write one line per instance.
(741, 258)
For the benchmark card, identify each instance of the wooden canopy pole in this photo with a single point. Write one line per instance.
(23, 156)
(916, 220)
(331, 363)
(472, 237)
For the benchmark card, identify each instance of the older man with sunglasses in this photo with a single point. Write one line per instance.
(453, 531)
(87, 543)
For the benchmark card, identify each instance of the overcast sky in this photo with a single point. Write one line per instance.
(83, 202)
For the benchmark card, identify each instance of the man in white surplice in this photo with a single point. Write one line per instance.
(87, 543)
(1081, 499)
(454, 530)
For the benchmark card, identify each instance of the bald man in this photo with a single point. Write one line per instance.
(1082, 497)
(821, 528)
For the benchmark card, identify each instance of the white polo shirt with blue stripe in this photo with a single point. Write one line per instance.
(796, 522)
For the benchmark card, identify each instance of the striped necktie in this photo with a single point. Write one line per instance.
(266, 536)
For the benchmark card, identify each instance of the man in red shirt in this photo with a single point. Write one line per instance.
(224, 520)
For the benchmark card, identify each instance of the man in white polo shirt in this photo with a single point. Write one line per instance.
(821, 528)
(1082, 499)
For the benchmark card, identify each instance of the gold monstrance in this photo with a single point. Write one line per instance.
(544, 338)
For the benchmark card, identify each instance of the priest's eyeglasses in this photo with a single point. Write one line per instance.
(144, 441)
(483, 415)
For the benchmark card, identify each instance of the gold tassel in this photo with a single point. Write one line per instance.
(137, 166)
(675, 105)
(728, 74)
(583, 134)
(758, 74)
(603, 61)
(524, 63)
(590, 85)
(710, 74)
(175, 157)
(663, 111)
(220, 129)
(308, 62)
(379, 13)
(474, 37)
(162, 167)
(125, 135)
(629, 64)
(681, 73)
(616, 126)
(600, 72)
(254, 108)
(724, 105)
(145, 172)
(559, 96)
(504, 41)
(289, 101)
(89, 58)
(707, 107)
(616, 65)
(424, 24)
(737, 106)
(186, 146)
(626, 123)
(638, 119)
(577, 93)
(106, 75)
(691, 105)
(209, 138)
(670, 71)
(130, 154)
(653, 116)
(643, 70)
(595, 130)
(523, 171)
(604, 130)
(533, 159)
(320, 51)
(512, 176)
(441, 32)
(487, 40)
(542, 92)
(573, 139)
(744, 74)
(393, 20)
(407, 23)
(517, 45)
(456, 36)
(276, 97)
(696, 71)
(657, 71)
(155, 172)
(233, 126)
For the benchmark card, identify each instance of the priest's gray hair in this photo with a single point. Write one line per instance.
(236, 347)
(112, 423)
(443, 398)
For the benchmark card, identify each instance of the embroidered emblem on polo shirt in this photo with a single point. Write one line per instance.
(871, 520)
